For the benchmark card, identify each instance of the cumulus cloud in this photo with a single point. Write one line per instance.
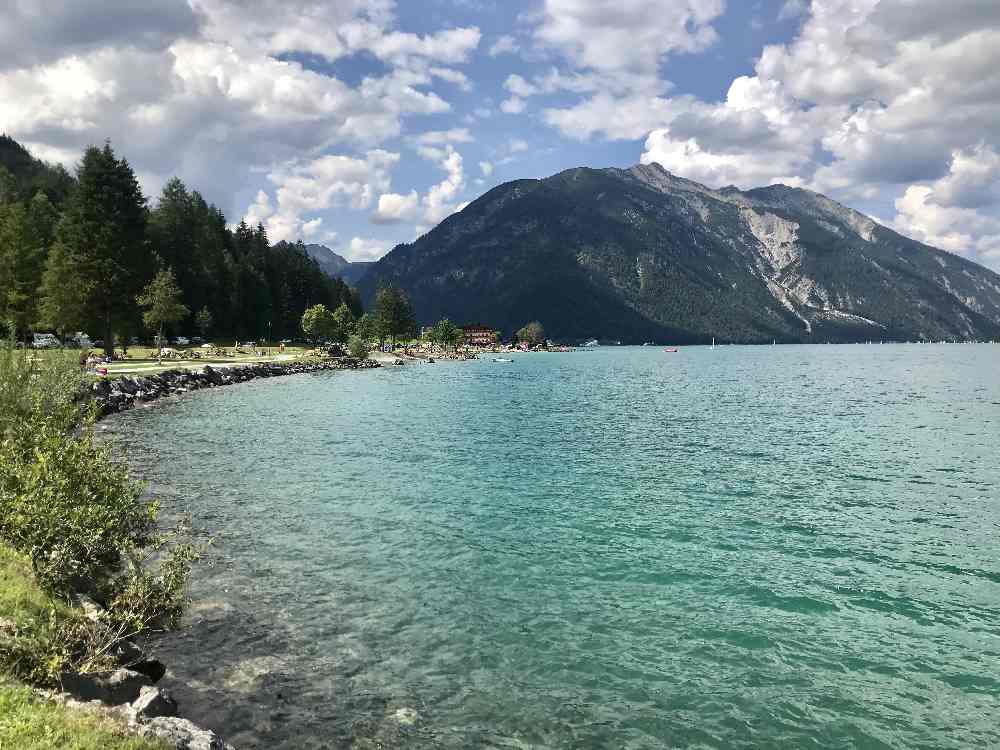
(440, 137)
(514, 105)
(486, 168)
(366, 249)
(32, 35)
(505, 44)
(394, 208)
(626, 35)
(326, 182)
(439, 203)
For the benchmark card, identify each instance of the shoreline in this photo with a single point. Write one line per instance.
(125, 392)
(129, 695)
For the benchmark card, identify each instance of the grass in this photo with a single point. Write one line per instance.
(37, 617)
(21, 598)
(28, 722)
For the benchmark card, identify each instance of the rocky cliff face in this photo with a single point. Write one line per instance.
(640, 254)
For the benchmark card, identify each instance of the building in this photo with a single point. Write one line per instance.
(479, 335)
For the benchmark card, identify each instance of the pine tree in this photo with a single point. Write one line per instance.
(104, 232)
(62, 306)
(22, 256)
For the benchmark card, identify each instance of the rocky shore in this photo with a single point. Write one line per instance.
(128, 692)
(123, 393)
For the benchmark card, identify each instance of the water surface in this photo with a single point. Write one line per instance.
(792, 546)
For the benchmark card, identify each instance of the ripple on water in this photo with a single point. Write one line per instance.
(751, 547)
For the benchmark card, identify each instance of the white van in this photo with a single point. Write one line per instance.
(45, 341)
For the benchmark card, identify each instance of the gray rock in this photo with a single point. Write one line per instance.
(182, 734)
(120, 686)
(153, 703)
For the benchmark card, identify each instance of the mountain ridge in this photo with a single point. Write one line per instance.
(337, 266)
(639, 253)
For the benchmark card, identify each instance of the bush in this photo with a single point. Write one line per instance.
(71, 509)
(357, 347)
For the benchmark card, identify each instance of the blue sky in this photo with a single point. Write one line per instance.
(362, 123)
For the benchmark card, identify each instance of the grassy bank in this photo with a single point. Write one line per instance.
(71, 523)
(28, 722)
(31, 625)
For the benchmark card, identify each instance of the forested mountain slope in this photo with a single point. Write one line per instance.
(640, 254)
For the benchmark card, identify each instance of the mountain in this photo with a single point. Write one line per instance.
(337, 266)
(640, 254)
(24, 175)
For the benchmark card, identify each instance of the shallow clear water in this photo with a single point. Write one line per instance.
(622, 548)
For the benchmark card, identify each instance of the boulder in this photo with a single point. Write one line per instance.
(154, 669)
(181, 734)
(121, 686)
(153, 703)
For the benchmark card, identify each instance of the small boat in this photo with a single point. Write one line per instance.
(501, 359)
(671, 349)
(592, 342)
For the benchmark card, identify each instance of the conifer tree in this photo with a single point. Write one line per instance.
(103, 231)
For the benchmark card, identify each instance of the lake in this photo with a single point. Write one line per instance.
(790, 546)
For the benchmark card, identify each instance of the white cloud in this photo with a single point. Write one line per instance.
(516, 85)
(451, 75)
(486, 168)
(309, 228)
(439, 203)
(513, 106)
(366, 249)
(517, 145)
(626, 35)
(394, 208)
(792, 9)
(505, 44)
(326, 182)
(439, 137)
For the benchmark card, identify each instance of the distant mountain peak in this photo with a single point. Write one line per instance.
(641, 254)
(337, 266)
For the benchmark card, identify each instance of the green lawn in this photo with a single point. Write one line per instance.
(28, 722)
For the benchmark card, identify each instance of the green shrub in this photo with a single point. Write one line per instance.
(70, 508)
(357, 347)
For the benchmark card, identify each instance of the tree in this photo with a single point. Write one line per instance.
(161, 300)
(358, 347)
(103, 230)
(61, 306)
(19, 267)
(343, 320)
(446, 333)
(365, 327)
(394, 316)
(532, 334)
(204, 321)
(318, 323)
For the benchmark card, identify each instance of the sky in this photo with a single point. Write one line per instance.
(360, 124)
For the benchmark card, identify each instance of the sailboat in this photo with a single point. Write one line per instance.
(713, 342)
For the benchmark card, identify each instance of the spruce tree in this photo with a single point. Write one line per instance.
(104, 232)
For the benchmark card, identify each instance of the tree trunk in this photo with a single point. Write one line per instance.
(109, 339)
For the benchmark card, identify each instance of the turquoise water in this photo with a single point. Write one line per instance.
(750, 547)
